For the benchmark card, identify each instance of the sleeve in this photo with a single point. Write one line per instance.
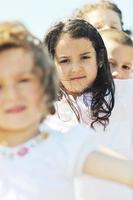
(78, 143)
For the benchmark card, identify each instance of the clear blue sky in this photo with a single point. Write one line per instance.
(39, 15)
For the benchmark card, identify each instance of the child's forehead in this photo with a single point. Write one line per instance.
(110, 41)
(16, 60)
(117, 36)
(107, 11)
(15, 54)
(73, 45)
(120, 49)
(66, 38)
(118, 52)
(116, 44)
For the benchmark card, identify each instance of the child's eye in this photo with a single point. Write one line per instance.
(85, 57)
(24, 80)
(126, 67)
(64, 61)
(113, 27)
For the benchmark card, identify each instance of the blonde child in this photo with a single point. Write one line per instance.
(35, 165)
(102, 15)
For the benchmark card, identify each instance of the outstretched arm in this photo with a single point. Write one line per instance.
(107, 164)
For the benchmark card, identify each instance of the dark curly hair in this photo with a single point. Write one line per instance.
(102, 89)
(14, 34)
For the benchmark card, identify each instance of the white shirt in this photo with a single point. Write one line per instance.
(45, 166)
(119, 132)
(118, 135)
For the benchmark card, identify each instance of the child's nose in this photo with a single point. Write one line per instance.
(10, 92)
(75, 66)
(116, 74)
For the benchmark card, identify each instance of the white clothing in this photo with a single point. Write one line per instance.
(118, 135)
(45, 166)
(119, 132)
(97, 189)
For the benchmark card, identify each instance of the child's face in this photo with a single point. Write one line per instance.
(104, 19)
(76, 63)
(20, 91)
(120, 59)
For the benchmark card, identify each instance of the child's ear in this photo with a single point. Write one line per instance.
(51, 109)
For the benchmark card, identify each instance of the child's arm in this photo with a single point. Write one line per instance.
(105, 164)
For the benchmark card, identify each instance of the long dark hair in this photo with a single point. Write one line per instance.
(102, 89)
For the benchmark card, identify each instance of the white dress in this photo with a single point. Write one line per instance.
(45, 166)
(118, 135)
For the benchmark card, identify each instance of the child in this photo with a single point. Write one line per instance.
(81, 61)
(102, 15)
(86, 86)
(86, 92)
(117, 43)
(38, 165)
(66, 44)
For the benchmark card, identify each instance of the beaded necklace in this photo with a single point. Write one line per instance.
(23, 149)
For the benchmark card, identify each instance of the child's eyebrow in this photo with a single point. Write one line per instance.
(25, 73)
(128, 63)
(85, 53)
(62, 57)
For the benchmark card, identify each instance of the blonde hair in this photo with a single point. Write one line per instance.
(103, 4)
(117, 36)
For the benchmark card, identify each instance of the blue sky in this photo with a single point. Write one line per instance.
(39, 15)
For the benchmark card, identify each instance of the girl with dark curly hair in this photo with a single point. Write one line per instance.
(81, 61)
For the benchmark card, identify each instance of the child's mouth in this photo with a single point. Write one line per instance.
(78, 77)
(15, 109)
